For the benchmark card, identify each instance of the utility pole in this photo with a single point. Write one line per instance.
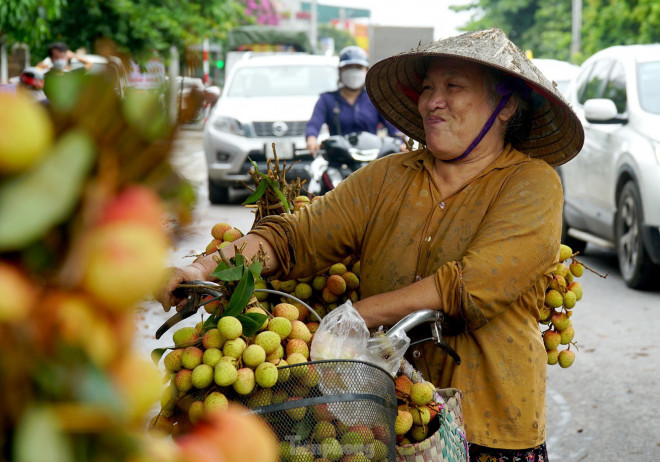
(314, 19)
(576, 29)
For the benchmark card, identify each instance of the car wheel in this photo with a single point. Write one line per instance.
(634, 263)
(575, 244)
(218, 194)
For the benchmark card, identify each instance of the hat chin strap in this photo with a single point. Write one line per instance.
(486, 127)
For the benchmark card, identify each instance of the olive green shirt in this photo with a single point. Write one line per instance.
(488, 244)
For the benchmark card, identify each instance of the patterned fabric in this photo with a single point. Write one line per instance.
(488, 246)
(483, 454)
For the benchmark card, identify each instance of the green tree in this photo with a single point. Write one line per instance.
(27, 21)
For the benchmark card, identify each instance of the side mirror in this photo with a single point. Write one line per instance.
(602, 111)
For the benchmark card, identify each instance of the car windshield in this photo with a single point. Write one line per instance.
(289, 80)
(649, 86)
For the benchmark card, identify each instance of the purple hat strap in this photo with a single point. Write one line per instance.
(506, 88)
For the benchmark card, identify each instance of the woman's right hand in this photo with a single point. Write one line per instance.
(312, 145)
(177, 275)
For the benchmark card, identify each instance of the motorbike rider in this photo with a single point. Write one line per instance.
(349, 109)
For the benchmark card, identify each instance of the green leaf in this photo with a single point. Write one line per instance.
(256, 268)
(211, 322)
(38, 438)
(280, 196)
(257, 194)
(32, 203)
(221, 266)
(251, 322)
(230, 274)
(157, 354)
(240, 260)
(241, 295)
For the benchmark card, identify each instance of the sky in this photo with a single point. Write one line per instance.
(422, 13)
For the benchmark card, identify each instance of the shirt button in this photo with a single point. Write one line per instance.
(418, 278)
(428, 239)
(443, 205)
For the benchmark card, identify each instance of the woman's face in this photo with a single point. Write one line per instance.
(454, 108)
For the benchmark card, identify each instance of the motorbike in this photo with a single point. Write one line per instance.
(341, 155)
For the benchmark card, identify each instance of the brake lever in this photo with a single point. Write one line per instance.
(439, 340)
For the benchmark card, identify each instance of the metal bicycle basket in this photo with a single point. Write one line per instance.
(330, 409)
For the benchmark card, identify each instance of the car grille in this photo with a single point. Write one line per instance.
(266, 128)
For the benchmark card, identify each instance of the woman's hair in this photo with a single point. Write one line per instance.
(520, 124)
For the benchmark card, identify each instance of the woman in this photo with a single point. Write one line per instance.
(469, 225)
(347, 110)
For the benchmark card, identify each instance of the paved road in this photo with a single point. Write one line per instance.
(604, 408)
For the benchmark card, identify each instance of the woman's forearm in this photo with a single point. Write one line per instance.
(388, 308)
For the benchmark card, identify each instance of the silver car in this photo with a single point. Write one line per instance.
(266, 99)
(612, 188)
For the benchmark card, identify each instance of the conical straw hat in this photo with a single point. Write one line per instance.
(556, 135)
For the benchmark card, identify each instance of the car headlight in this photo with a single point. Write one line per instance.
(229, 125)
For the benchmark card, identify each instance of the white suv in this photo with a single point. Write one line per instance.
(266, 99)
(612, 188)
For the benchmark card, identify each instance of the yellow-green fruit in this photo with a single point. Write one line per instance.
(566, 335)
(260, 397)
(302, 454)
(329, 297)
(254, 355)
(295, 345)
(219, 230)
(303, 291)
(202, 376)
(231, 360)
(160, 426)
(557, 282)
(545, 312)
(285, 451)
(211, 356)
(234, 348)
(215, 401)
(261, 296)
(421, 393)
(419, 433)
(280, 396)
(281, 326)
(191, 357)
(311, 379)
(283, 373)
(554, 299)
(213, 338)
(266, 375)
(560, 321)
(296, 413)
(421, 415)
(172, 361)
(565, 252)
(230, 327)
(225, 374)
(196, 412)
(300, 361)
(566, 358)
(275, 284)
(224, 244)
(288, 286)
(286, 310)
(232, 235)
(169, 397)
(403, 423)
(300, 331)
(352, 281)
(331, 448)
(577, 269)
(318, 283)
(338, 269)
(551, 339)
(268, 340)
(245, 382)
(27, 133)
(277, 354)
(379, 451)
(576, 288)
(356, 268)
(553, 356)
(185, 336)
(569, 299)
(323, 430)
(562, 270)
(212, 246)
(569, 278)
(183, 380)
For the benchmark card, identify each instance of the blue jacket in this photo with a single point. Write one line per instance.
(361, 117)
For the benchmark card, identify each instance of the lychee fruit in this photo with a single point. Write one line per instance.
(421, 415)
(266, 375)
(565, 252)
(230, 327)
(553, 356)
(303, 291)
(576, 288)
(560, 321)
(577, 269)
(296, 345)
(562, 270)
(566, 358)
(557, 282)
(356, 268)
(281, 326)
(421, 393)
(403, 422)
(419, 432)
(224, 374)
(277, 354)
(299, 361)
(196, 412)
(336, 284)
(268, 340)
(286, 310)
(213, 338)
(318, 283)
(569, 299)
(328, 296)
(296, 413)
(254, 355)
(352, 281)
(212, 247)
(566, 335)
(300, 331)
(191, 357)
(172, 361)
(551, 339)
(245, 382)
(232, 235)
(202, 376)
(554, 298)
(211, 356)
(288, 286)
(323, 430)
(185, 336)
(260, 397)
(259, 310)
(545, 312)
(215, 401)
(283, 373)
(234, 348)
(219, 230)
(183, 380)
(337, 269)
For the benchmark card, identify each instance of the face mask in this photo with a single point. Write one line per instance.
(60, 64)
(353, 78)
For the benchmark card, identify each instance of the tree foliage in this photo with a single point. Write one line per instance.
(27, 20)
(341, 37)
(545, 27)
